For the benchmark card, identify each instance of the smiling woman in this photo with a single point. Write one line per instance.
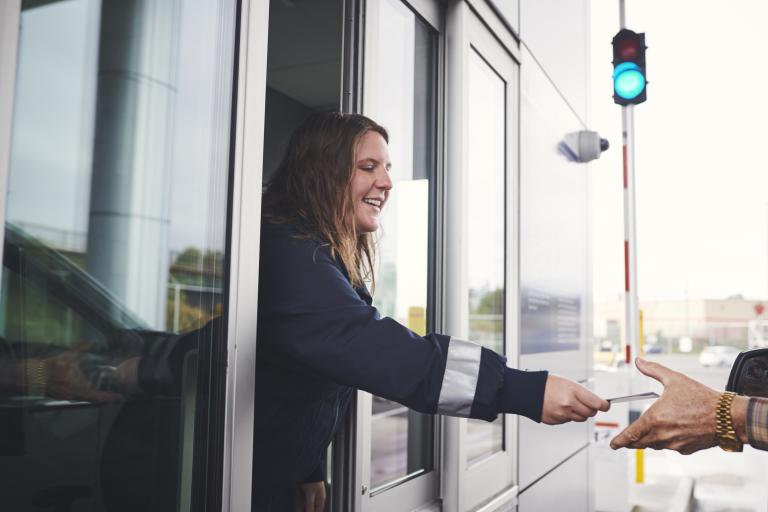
(319, 337)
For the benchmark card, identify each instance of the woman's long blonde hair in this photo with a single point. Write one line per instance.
(312, 188)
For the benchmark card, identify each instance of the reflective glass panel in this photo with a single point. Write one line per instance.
(485, 233)
(402, 83)
(113, 274)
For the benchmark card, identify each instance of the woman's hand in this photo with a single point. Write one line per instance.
(311, 497)
(565, 400)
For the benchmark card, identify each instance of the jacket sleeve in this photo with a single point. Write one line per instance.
(318, 475)
(757, 423)
(309, 312)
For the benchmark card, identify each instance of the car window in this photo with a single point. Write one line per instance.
(36, 316)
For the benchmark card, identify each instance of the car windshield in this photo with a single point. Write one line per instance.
(65, 279)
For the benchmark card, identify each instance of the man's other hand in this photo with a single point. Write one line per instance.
(683, 419)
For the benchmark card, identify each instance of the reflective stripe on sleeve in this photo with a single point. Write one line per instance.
(460, 379)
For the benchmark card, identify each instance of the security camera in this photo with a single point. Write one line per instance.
(583, 146)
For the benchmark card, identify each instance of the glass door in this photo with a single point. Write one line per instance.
(114, 260)
(491, 252)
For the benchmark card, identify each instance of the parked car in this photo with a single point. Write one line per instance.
(718, 355)
(652, 348)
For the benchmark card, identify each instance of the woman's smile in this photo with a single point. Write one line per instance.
(371, 181)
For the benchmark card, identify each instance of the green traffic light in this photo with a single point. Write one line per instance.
(628, 80)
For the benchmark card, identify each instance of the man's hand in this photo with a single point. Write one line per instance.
(311, 497)
(127, 375)
(65, 379)
(683, 419)
(565, 400)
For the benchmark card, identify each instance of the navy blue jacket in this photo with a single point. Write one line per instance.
(319, 338)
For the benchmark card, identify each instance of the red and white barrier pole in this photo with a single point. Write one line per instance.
(630, 234)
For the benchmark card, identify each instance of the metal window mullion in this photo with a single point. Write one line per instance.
(351, 99)
(514, 316)
(10, 20)
(455, 285)
(244, 254)
(366, 86)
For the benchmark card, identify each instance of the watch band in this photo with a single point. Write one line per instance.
(726, 434)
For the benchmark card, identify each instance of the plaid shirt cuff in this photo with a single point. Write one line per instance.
(757, 423)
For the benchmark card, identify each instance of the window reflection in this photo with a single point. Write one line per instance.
(485, 232)
(114, 245)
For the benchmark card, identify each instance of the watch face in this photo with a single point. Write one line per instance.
(104, 379)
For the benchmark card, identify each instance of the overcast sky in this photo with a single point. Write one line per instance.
(701, 138)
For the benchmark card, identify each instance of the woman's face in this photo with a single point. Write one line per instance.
(371, 182)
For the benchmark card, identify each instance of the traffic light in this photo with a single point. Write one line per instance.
(629, 81)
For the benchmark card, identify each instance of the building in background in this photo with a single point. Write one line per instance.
(733, 321)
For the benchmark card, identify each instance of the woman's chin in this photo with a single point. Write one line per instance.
(368, 226)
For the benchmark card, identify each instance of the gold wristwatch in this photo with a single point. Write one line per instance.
(726, 434)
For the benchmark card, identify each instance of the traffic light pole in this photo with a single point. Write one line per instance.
(632, 326)
(630, 234)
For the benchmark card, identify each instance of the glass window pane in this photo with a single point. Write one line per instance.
(113, 261)
(485, 234)
(404, 102)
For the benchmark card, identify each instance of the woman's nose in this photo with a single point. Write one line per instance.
(384, 181)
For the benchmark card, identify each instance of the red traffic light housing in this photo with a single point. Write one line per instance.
(629, 82)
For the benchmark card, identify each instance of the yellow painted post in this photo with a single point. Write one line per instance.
(417, 320)
(640, 454)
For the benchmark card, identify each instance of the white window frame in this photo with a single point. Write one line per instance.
(421, 491)
(248, 152)
(475, 28)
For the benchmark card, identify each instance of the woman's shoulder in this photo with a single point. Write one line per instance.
(287, 241)
(293, 263)
(273, 229)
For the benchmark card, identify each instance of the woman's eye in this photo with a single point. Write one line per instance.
(367, 167)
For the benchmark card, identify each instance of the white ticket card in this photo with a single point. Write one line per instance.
(631, 398)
